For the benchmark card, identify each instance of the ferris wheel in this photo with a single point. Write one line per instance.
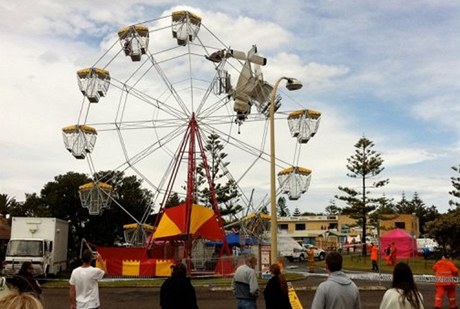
(155, 96)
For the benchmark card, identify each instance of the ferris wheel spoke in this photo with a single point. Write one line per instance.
(215, 107)
(205, 98)
(156, 104)
(248, 148)
(161, 143)
(170, 86)
(129, 90)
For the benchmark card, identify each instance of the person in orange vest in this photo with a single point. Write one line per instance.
(393, 254)
(445, 270)
(374, 257)
(280, 264)
(311, 260)
(387, 254)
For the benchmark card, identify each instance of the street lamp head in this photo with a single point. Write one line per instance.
(293, 84)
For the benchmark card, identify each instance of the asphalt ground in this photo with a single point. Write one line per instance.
(221, 297)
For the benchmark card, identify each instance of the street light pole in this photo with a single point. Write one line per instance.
(292, 84)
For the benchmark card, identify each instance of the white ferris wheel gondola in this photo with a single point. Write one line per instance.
(93, 83)
(134, 41)
(304, 124)
(79, 140)
(95, 196)
(294, 181)
(185, 26)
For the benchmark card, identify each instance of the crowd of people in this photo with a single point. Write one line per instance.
(337, 292)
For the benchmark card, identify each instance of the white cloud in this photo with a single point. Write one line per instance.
(352, 58)
(440, 109)
(408, 156)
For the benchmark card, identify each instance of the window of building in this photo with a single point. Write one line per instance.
(283, 226)
(400, 225)
(300, 227)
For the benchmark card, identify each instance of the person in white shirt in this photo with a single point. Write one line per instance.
(403, 293)
(84, 288)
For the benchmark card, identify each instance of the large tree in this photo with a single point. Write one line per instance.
(33, 206)
(60, 198)
(136, 205)
(404, 206)
(225, 187)
(385, 206)
(365, 165)
(7, 203)
(332, 209)
(417, 206)
(446, 230)
(456, 184)
(173, 200)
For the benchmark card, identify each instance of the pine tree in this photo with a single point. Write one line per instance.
(385, 206)
(283, 210)
(225, 187)
(364, 165)
(332, 209)
(404, 206)
(456, 184)
(173, 200)
(417, 206)
(296, 212)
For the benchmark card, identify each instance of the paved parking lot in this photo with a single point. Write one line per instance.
(139, 298)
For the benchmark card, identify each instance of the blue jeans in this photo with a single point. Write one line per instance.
(246, 304)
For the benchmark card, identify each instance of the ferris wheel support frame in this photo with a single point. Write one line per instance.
(192, 138)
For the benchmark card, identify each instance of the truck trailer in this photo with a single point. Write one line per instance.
(42, 241)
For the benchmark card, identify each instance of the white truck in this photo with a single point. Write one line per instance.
(318, 253)
(42, 241)
(290, 249)
(428, 247)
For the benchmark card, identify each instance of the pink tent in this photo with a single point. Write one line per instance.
(404, 242)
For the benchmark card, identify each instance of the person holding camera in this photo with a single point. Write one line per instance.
(84, 289)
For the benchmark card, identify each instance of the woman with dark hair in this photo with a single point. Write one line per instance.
(25, 282)
(177, 292)
(276, 292)
(403, 293)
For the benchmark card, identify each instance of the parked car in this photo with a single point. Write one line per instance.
(320, 254)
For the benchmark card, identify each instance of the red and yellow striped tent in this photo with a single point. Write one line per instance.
(203, 223)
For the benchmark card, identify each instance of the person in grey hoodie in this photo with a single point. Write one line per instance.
(338, 291)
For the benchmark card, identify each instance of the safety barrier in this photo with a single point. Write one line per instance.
(389, 277)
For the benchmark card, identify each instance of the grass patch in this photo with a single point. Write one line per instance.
(418, 265)
(157, 282)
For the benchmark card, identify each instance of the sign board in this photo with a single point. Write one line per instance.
(265, 260)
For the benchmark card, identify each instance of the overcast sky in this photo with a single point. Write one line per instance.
(386, 70)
